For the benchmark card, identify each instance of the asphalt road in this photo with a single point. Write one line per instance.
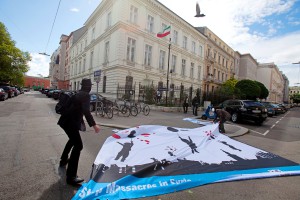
(31, 144)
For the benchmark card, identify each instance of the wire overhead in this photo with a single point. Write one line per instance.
(52, 28)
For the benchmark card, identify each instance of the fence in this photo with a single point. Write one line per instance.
(157, 94)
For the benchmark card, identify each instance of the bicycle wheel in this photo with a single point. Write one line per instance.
(146, 110)
(115, 110)
(125, 111)
(109, 112)
(133, 111)
(139, 107)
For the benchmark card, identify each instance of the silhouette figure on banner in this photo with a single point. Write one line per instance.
(191, 144)
(124, 153)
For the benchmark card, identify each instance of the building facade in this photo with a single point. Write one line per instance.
(120, 40)
(271, 77)
(218, 62)
(36, 82)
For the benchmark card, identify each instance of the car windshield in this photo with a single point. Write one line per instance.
(251, 103)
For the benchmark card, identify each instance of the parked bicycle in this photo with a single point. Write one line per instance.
(143, 107)
(125, 109)
(104, 108)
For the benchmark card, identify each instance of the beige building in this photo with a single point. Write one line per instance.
(120, 40)
(247, 67)
(271, 77)
(219, 61)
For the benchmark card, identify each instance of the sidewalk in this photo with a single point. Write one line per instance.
(174, 119)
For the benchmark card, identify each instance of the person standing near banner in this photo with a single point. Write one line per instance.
(71, 122)
(222, 116)
(185, 104)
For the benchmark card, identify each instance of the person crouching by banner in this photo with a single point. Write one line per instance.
(221, 116)
(72, 122)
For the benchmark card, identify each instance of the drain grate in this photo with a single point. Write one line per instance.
(295, 125)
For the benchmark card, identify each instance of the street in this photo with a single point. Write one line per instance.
(32, 142)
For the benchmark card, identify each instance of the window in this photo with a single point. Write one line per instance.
(175, 37)
(200, 51)
(184, 42)
(162, 56)
(148, 55)
(215, 73)
(131, 50)
(133, 14)
(108, 20)
(183, 67)
(219, 75)
(83, 65)
(173, 63)
(150, 23)
(106, 52)
(104, 84)
(79, 68)
(193, 47)
(91, 60)
(192, 71)
(199, 72)
(93, 33)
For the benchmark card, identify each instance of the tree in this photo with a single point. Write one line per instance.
(249, 89)
(264, 92)
(13, 62)
(296, 98)
(228, 90)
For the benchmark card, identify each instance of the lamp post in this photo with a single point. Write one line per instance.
(298, 72)
(168, 73)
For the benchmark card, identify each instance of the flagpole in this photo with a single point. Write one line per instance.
(168, 73)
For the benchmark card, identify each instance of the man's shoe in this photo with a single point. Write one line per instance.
(63, 163)
(75, 181)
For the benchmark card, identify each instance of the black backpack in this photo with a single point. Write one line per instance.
(64, 102)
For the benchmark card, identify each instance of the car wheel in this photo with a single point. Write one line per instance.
(234, 117)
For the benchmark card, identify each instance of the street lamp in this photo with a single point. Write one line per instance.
(168, 73)
(298, 72)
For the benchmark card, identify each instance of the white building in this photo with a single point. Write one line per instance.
(121, 41)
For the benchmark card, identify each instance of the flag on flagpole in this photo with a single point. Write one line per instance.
(166, 31)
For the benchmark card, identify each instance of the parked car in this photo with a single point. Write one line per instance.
(270, 108)
(56, 94)
(278, 109)
(245, 110)
(3, 94)
(8, 90)
(50, 93)
(93, 99)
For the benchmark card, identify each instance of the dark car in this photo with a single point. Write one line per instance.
(3, 94)
(278, 109)
(56, 94)
(93, 99)
(245, 110)
(8, 90)
(270, 108)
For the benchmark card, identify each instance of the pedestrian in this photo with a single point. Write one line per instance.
(195, 104)
(221, 116)
(71, 122)
(158, 96)
(185, 104)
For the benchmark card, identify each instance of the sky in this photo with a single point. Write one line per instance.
(267, 29)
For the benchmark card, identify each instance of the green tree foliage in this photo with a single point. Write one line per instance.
(264, 92)
(13, 62)
(228, 90)
(296, 98)
(248, 89)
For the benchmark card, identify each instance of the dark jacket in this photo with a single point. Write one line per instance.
(74, 116)
(222, 115)
(195, 101)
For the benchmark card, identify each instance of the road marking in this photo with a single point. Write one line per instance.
(256, 132)
(272, 126)
(276, 122)
(266, 132)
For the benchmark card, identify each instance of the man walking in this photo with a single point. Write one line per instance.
(71, 123)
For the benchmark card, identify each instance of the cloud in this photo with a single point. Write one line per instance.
(39, 64)
(74, 10)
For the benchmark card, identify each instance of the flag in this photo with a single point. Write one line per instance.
(166, 31)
